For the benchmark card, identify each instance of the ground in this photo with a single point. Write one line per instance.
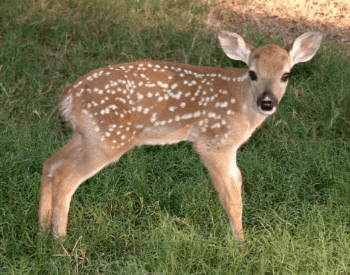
(287, 17)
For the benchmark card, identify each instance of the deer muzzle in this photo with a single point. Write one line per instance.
(267, 103)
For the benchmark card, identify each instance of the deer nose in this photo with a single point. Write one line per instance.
(267, 102)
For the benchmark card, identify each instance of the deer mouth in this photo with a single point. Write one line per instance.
(267, 103)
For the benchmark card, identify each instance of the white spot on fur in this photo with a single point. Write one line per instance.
(197, 114)
(153, 117)
(53, 167)
(222, 104)
(187, 116)
(216, 125)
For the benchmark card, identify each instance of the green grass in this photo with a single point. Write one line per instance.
(156, 211)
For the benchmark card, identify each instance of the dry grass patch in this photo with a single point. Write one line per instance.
(285, 16)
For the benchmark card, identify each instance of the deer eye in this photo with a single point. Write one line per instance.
(253, 76)
(286, 76)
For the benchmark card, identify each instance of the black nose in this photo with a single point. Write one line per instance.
(267, 105)
(267, 101)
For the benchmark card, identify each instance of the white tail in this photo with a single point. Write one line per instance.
(118, 107)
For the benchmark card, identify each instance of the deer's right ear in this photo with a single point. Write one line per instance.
(234, 46)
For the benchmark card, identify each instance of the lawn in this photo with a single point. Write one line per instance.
(156, 210)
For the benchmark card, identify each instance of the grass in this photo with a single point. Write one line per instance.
(156, 211)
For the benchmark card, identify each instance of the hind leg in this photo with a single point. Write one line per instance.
(45, 207)
(65, 171)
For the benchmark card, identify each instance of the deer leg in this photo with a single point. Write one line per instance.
(227, 179)
(45, 208)
(68, 168)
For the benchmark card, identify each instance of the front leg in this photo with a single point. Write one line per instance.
(227, 179)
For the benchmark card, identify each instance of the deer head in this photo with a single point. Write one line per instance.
(269, 66)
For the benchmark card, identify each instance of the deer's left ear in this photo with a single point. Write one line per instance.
(234, 46)
(305, 47)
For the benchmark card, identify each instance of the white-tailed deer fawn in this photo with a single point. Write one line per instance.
(115, 108)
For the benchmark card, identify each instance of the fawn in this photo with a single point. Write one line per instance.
(115, 108)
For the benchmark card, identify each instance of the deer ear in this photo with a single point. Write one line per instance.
(305, 47)
(234, 46)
